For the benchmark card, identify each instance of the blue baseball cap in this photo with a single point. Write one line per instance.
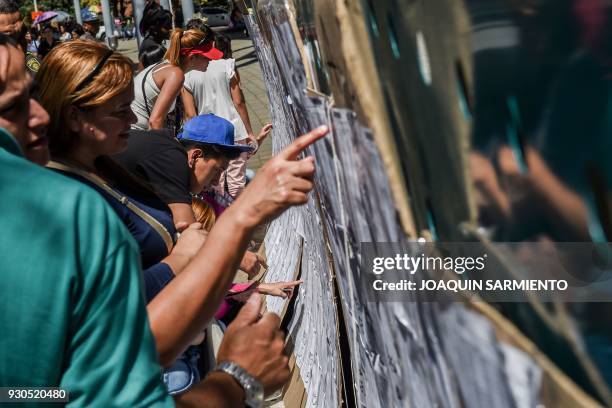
(213, 130)
(88, 16)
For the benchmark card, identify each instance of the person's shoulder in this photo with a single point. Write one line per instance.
(145, 136)
(194, 74)
(42, 180)
(194, 78)
(153, 141)
(172, 71)
(227, 64)
(71, 202)
(223, 62)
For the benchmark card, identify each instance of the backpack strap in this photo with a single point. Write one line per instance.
(144, 92)
(98, 181)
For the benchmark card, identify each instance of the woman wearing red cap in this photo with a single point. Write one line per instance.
(157, 88)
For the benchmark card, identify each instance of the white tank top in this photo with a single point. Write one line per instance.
(152, 92)
(211, 93)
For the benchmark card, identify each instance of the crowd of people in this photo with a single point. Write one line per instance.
(128, 214)
(41, 38)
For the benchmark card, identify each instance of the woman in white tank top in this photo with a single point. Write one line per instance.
(156, 88)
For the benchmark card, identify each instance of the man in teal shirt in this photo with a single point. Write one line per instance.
(71, 311)
(91, 334)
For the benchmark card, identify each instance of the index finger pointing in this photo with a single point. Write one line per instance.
(302, 142)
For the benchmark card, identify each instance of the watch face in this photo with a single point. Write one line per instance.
(259, 394)
(255, 395)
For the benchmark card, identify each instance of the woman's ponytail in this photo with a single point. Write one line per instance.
(180, 40)
(174, 51)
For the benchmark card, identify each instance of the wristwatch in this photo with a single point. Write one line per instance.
(252, 388)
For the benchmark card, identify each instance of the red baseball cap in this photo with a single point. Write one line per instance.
(207, 50)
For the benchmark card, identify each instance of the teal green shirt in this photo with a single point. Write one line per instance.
(72, 311)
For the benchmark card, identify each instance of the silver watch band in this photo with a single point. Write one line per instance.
(253, 390)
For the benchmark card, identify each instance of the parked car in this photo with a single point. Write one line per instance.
(102, 33)
(111, 42)
(216, 16)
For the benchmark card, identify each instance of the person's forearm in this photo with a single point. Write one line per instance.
(156, 123)
(217, 390)
(182, 213)
(189, 106)
(176, 262)
(189, 114)
(187, 304)
(244, 114)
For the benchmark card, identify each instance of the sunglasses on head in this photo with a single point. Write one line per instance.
(94, 72)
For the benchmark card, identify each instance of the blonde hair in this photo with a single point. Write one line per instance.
(181, 39)
(63, 70)
(204, 213)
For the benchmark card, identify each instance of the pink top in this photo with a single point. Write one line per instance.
(226, 306)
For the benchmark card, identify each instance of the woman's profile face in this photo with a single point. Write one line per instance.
(104, 129)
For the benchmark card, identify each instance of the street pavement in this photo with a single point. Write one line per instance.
(252, 86)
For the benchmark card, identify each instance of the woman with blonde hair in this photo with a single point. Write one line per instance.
(87, 90)
(203, 212)
(157, 87)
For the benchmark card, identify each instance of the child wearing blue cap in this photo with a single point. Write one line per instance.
(178, 167)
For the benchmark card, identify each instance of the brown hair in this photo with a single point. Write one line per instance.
(181, 39)
(204, 213)
(63, 70)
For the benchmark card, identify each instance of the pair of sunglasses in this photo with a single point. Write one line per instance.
(94, 72)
